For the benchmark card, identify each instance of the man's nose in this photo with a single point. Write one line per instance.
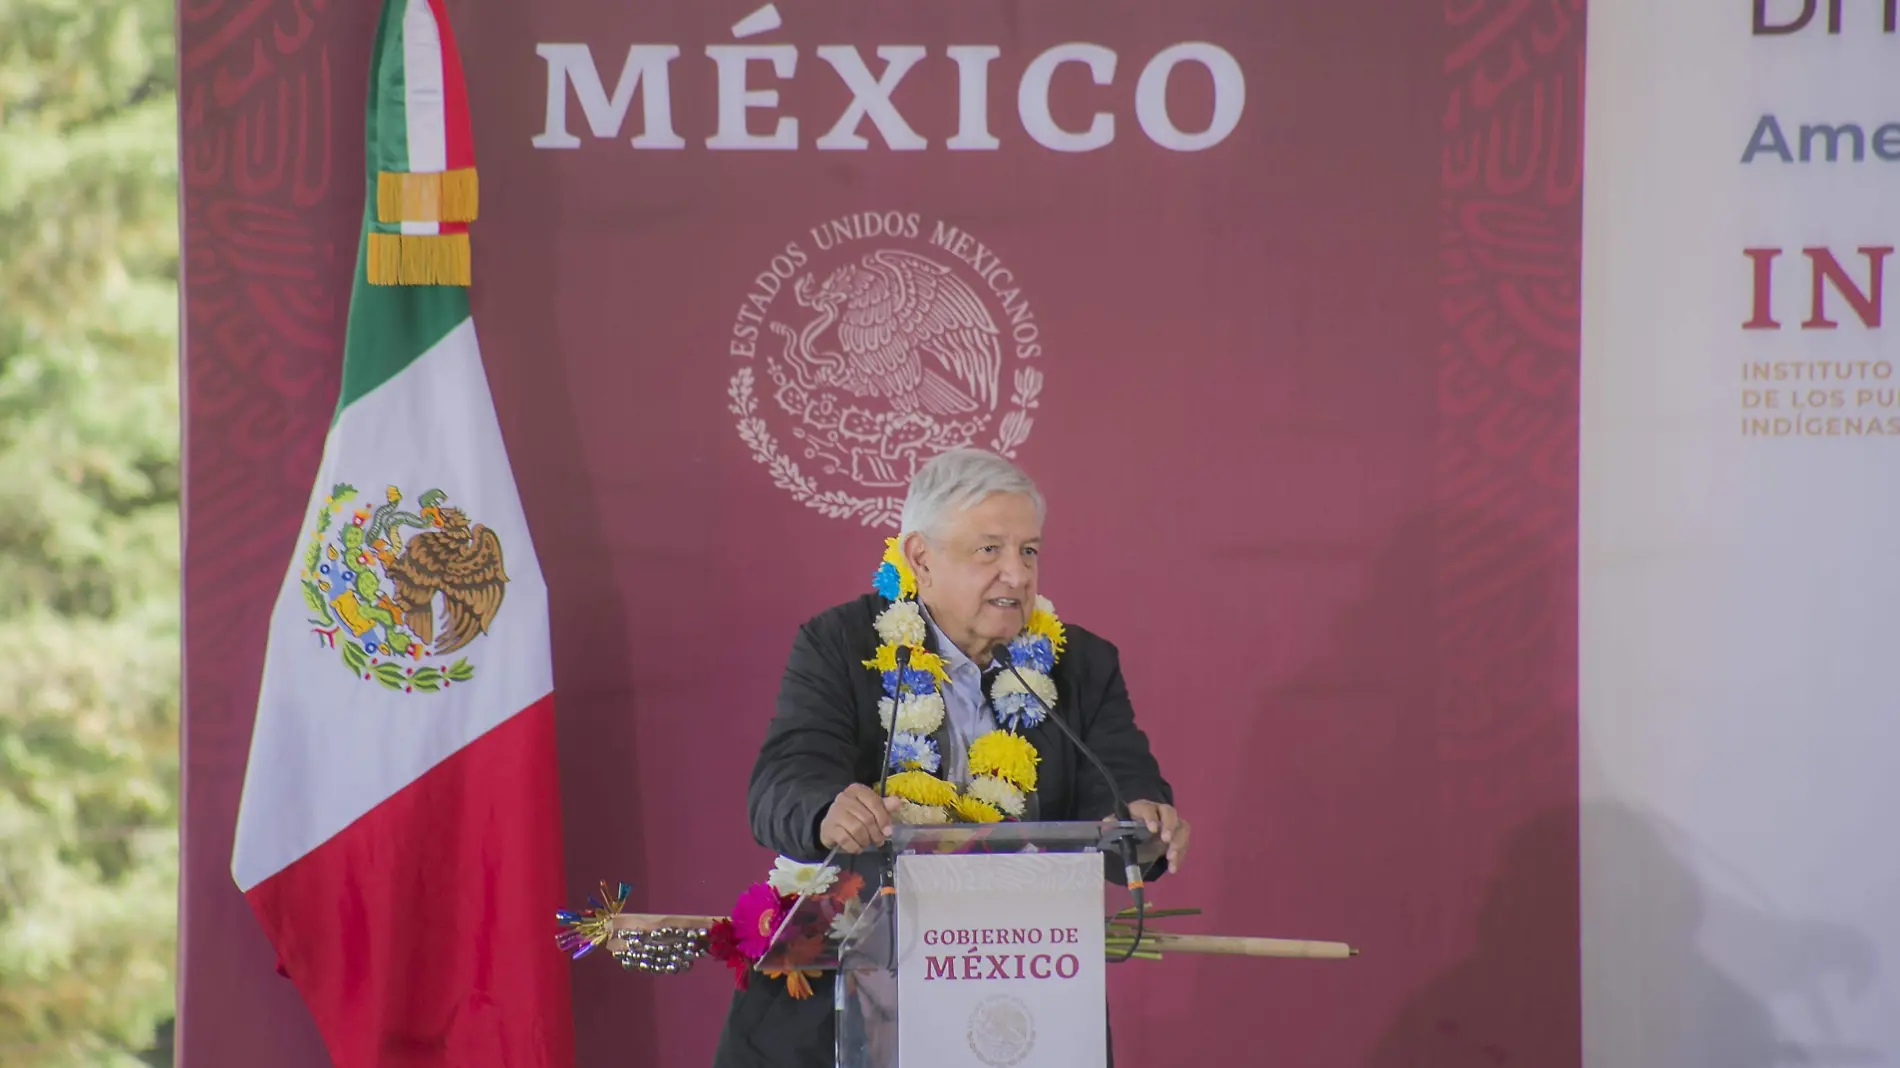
(1015, 573)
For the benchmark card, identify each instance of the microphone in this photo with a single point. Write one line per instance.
(1130, 867)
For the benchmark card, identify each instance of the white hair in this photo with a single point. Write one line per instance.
(958, 479)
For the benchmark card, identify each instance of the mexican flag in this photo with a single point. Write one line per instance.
(399, 834)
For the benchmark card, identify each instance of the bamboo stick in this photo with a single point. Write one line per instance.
(1239, 946)
(1119, 935)
(648, 921)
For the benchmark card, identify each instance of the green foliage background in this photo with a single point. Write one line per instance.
(89, 567)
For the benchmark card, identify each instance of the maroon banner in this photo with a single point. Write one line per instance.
(1277, 301)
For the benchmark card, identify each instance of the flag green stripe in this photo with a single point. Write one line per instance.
(389, 326)
(387, 148)
(388, 118)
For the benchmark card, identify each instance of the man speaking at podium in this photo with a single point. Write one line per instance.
(953, 651)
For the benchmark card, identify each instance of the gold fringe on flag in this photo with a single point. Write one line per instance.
(418, 259)
(445, 196)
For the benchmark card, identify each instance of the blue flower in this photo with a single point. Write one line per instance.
(916, 680)
(914, 752)
(370, 648)
(1032, 653)
(323, 569)
(349, 578)
(1017, 711)
(886, 582)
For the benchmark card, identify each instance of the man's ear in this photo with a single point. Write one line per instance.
(916, 555)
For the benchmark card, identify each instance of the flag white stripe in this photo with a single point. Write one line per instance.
(422, 90)
(330, 745)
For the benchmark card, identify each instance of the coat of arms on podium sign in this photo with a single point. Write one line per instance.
(397, 586)
(872, 344)
(1002, 1031)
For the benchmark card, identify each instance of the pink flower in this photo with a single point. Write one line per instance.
(755, 916)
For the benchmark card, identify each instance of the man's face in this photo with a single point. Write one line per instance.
(977, 574)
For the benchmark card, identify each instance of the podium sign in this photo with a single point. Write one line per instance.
(1002, 961)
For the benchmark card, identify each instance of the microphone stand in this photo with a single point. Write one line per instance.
(887, 861)
(1124, 837)
(890, 735)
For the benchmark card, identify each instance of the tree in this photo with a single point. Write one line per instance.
(89, 560)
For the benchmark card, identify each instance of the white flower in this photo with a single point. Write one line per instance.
(791, 877)
(918, 815)
(914, 752)
(1005, 797)
(901, 624)
(1043, 605)
(1006, 683)
(922, 714)
(847, 919)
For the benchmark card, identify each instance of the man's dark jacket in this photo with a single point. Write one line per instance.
(826, 735)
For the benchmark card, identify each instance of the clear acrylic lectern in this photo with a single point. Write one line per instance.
(990, 936)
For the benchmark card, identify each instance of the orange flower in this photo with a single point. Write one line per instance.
(798, 984)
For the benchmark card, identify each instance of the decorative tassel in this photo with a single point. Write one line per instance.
(445, 196)
(418, 259)
(582, 932)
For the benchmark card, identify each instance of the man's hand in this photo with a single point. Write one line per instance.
(858, 820)
(1171, 831)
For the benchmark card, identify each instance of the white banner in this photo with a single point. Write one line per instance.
(1740, 535)
(1003, 963)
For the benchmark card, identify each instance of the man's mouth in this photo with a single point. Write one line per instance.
(1005, 602)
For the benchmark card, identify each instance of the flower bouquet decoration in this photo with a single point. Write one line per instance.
(830, 908)
(808, 908)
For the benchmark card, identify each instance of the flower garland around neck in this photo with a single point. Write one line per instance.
(1002, 762)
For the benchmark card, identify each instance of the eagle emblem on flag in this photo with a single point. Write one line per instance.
(393, 588)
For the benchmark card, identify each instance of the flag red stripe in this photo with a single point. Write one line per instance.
(423, 933)
(458, 137)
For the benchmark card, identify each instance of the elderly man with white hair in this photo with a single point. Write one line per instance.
(971, 742)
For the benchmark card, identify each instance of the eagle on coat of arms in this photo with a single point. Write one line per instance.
(388, 600)
(888, 311)
(900, 362)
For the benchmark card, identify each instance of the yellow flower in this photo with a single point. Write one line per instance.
(921, 788)
(931, 662)
(970, 810)
(1009, 757)
(1044, 624)
(886, 660)
(894, 556)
